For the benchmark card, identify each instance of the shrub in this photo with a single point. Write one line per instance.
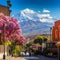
(16, 51)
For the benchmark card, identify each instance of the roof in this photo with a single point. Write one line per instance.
(4, 6)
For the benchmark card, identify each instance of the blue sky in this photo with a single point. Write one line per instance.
(38, 5)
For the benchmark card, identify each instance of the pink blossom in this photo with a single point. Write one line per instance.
(12, 28)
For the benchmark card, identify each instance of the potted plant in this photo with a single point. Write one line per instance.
(16, 51)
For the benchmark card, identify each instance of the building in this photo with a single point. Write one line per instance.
(56, 31)
(5, 10)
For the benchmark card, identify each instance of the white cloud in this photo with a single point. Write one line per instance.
(47, 20)
(45, 15)
(50, 17)
(46, 11)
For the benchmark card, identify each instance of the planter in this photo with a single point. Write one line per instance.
(15, 55)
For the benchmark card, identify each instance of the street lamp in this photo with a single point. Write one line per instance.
(58, 45)
(4, 39)
(50, 32)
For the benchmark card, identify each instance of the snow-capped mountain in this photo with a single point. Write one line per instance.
(33, 22)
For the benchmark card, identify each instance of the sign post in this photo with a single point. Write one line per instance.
(58, 46)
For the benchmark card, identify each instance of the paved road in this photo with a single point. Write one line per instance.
(39, 58)
(30, 58)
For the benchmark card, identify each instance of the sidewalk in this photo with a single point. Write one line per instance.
(14, 58)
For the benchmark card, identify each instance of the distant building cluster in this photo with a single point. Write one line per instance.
(56, 31)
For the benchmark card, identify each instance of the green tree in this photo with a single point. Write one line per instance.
(38, 39)
(45, 39)
(29, 44)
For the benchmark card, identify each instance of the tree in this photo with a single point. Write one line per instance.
(45, 39)
(12, 29)
(38, 40)
(29, 44)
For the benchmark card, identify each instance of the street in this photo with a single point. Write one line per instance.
(39, 58)
(31, 58)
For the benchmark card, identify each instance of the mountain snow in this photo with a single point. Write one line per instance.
(33, 22)
(31, 15)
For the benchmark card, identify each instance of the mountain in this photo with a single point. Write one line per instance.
(32, 22)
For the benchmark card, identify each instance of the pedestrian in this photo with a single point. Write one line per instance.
(29, 52)
(25, 52)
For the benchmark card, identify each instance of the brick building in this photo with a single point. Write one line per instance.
(5, 10)
(56, 31)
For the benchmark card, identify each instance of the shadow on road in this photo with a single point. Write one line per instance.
(38, 58)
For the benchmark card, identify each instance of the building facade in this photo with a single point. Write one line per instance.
(56, 31)
(5, 10)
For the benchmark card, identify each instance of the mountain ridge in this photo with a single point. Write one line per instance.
(32, 22)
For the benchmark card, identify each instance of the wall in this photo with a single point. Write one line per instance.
(5, 10)
(2, 51)
(56, 31)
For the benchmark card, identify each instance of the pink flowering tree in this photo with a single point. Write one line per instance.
(36, 46)
(12, 29)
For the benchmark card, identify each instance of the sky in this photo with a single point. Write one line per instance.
(51, 6)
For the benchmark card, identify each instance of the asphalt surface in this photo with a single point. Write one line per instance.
(39, 58)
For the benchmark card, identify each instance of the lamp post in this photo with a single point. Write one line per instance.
(9, 5)
(58, 45)
(4, 39)
(50, 32)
